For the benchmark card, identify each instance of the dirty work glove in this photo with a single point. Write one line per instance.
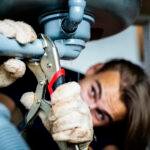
(70, 120)
(13, 68)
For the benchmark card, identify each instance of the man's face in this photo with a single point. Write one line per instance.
(101, 93)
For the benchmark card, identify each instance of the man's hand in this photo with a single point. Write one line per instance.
(71, 120)
(13, 68)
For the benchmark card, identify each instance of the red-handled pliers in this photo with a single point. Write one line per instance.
(49, 75)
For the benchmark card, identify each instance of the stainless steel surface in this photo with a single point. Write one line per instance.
(111, 16)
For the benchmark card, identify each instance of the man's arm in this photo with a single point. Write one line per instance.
(10, 138)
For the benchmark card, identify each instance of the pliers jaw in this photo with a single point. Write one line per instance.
(50, 64)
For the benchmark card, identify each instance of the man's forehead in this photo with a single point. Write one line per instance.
(109, 75)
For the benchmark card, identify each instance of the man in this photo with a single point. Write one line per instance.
(13, 69)
(116, 91)
(120, 90)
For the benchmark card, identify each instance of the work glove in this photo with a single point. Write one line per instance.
(70, 119)
(13, 69)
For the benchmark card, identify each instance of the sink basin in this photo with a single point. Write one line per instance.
(111, 16)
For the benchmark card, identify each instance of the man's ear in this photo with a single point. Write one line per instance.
(93, 69)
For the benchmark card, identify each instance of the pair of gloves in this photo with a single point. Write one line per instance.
(70, 120)
(13, 68)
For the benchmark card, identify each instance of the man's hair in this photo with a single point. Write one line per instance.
(135, 93)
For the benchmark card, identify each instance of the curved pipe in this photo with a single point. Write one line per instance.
(11, 48)
(70, 49)
(76, 10)
(75, 16)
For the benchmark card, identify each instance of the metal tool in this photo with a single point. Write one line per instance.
(49, 74)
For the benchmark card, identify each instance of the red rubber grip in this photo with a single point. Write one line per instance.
(58, 74)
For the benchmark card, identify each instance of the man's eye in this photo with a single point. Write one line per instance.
(101, 116)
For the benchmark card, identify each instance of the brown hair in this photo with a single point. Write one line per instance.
(135, 92)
